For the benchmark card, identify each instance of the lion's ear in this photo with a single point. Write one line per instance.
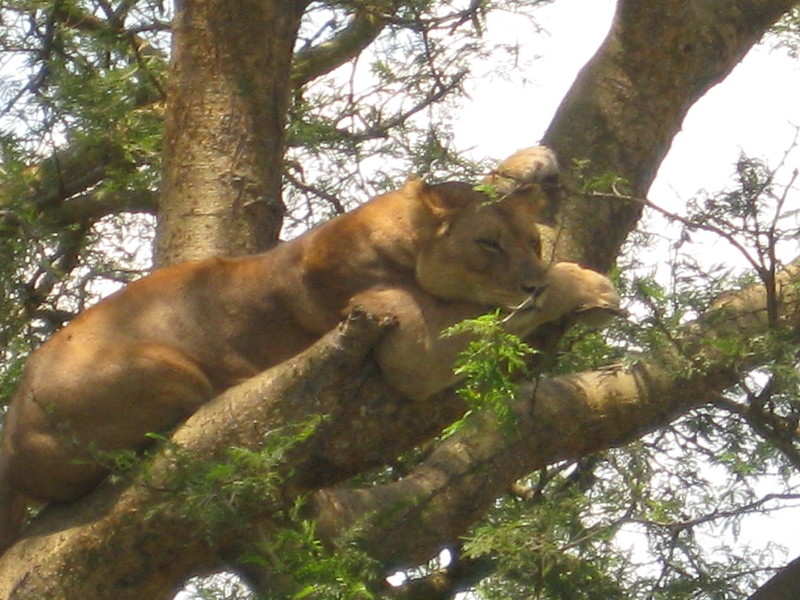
(414, 186)
(444, 200)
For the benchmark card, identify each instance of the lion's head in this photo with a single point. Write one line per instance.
(486, 252)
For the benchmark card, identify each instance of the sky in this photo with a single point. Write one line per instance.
(754, 110)
(506, 114)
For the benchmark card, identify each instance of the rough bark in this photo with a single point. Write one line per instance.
(365, 25)
(630, 99)
(784, 585)
(226, 112)
(136, 537)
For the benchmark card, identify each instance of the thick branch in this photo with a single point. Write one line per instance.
(629, 101)
(68, 172)
(560, 418)
(318, 60)
(89, 207)
(135, 534)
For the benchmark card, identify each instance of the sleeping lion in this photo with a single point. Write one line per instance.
(149, 355)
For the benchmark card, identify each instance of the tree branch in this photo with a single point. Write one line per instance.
(70, 171)
(629, 101)
(363, 29)
(58, 186)
(559, 418)
(151, 551)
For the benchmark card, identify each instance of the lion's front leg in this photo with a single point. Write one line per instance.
(417, 360)
(414, 357)
(571, 291)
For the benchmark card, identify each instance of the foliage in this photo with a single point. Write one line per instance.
(222, 494)
(386, 115)
(491, 361)
(544, 547)
(489, 190)
(591, 182)
(225, 495)
(340, 572)
(653, 520)
(661, 518)
(78, 130)
(786, 33)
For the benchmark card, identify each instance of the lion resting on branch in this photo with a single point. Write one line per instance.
(149, 355)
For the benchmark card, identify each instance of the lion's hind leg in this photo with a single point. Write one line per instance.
(77, 407)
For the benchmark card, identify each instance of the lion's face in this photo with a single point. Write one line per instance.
(487, 253)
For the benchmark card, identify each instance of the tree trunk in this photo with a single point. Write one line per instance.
(226, 115)
(784, 585)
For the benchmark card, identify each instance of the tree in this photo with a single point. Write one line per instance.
(255, 131)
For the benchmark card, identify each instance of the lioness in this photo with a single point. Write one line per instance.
(152, 353)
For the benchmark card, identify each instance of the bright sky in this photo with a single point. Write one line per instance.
(504, 114)
(753, 110)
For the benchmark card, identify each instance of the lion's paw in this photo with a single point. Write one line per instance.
(587, 294)
(529, 165)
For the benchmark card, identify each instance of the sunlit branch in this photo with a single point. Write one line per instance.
(363, 29)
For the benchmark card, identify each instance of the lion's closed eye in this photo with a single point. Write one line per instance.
(490, 245)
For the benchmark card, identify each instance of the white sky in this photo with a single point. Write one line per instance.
(753, 110)
(505, 115)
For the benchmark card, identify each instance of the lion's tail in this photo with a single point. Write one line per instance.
(12, 509)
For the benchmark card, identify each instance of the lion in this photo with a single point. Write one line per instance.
(149, 355)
